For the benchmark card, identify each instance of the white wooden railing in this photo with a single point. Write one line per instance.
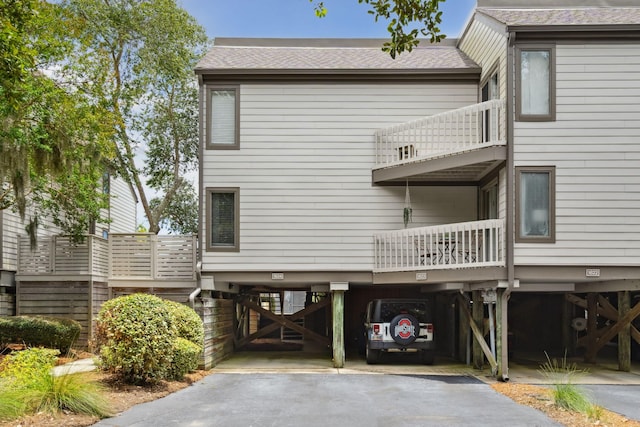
(448, 246)
(58, 255)
(451, 132)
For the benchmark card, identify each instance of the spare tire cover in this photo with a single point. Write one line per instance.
(404, 329)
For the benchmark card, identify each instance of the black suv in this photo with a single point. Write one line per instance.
(399, 325)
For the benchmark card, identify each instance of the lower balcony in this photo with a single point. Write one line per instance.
(449, 246)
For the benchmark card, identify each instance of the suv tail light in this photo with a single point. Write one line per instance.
(429, 328)
(376, 329)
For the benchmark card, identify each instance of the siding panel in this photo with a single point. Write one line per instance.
(304, 172)
(595, 145)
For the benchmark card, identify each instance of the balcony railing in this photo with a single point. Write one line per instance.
(130, 258)
(58, 255)
(449, 246)
(146, 256)
(451, 132)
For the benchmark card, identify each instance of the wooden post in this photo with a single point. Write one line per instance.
(624, 336)
(502, 334)
(567, 331)
(592, 327)
(478, 335)
(477, 311)
(337, 306)
(464, 339)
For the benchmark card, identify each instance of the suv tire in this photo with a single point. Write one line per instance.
(404, 329)
(372, 356)
(426, 357)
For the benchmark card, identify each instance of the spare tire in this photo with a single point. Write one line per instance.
(404, 329)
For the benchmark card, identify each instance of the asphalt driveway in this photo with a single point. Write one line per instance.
(325, 399)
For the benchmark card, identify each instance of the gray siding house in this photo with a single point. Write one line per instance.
(500, 168)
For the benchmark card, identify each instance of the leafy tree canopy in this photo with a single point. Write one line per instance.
(423, 15)
(52, 137)
(136, 58)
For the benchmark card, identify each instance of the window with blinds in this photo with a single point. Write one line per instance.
(535, 83)
(222, 118)
(222, 219)
(535, 192)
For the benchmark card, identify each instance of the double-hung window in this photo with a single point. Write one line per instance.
(223, 219)
(223, 118)
(535, 212)
(535, 83)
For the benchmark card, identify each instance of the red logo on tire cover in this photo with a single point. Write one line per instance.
(404, 329)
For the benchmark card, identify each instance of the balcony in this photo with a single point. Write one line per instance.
(449, 246)
(460, 145)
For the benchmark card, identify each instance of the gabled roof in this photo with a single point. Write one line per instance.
(567, 16)
(330, 56)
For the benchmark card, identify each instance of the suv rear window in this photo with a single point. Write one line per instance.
(389, 310)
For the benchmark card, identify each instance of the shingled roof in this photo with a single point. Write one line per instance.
(330, 56)
(578, 16)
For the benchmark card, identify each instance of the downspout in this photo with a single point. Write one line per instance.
(196, 291)
(510, 214)
(201, 233)
(510, 209)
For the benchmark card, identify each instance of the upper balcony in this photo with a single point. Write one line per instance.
(460, 145)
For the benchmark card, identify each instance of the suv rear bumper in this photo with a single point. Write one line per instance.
(392, 345)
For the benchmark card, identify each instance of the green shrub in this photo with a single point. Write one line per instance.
(188, 323)
(135, 334)
(23, 368)
(39, 331)
(186, 356)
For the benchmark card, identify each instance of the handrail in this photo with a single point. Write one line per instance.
(448, 246)
(471, 127)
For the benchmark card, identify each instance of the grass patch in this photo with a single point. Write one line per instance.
(566, 394)
(27, 386)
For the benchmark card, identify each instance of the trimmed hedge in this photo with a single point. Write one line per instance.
(135, 334)
(188, 323)
(185, 358)
(39, 331)
(146, 339)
